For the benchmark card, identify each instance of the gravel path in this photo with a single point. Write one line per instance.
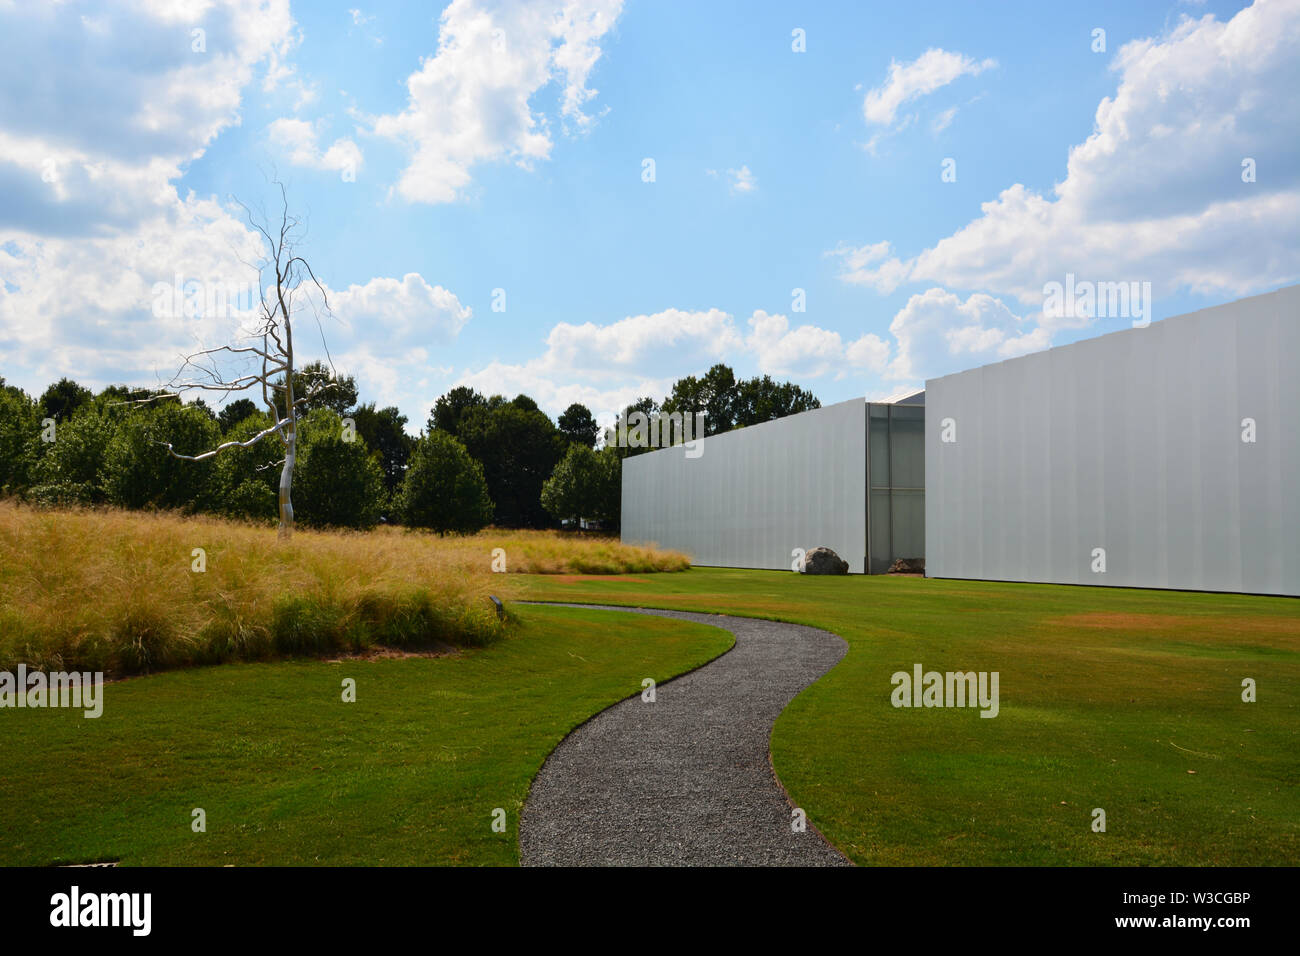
(686, 780)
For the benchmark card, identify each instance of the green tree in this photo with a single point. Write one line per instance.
(451, 408)
(244, 480)
(760, 400)
(327, 389)
(72, 469)
(61, 399)
(339, 484)
(138, 470)
(577, 424)
(235, 412)
(385, 433)
(713, 393)
(19, 428)
(729, 403)
(585, 484)
(444, 488)
(518, 448)
(646, 406)
(121, 395)
(607, 505)
(571, 486)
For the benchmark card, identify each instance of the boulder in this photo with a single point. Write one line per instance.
(824, 561)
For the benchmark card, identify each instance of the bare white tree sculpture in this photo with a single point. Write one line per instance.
(202, 370)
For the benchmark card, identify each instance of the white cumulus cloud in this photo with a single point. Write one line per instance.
(1156, 194)
(933, 69)
(937, 327)
(471, 102)
(94, 234)
(300, 141)
(809, 350)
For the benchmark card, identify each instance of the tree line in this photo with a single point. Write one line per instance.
(479, 459)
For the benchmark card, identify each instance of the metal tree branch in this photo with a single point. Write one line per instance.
(201, 370)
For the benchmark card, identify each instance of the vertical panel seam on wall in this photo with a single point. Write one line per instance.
(1233, 476)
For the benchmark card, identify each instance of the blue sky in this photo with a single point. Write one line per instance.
(442, 154)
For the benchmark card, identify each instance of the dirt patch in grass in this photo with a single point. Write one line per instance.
(1117, 621)
(395, 653)
(581, 578)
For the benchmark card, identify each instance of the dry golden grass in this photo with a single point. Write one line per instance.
(551, 552)
(115, 590)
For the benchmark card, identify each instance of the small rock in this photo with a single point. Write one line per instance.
(908, 566)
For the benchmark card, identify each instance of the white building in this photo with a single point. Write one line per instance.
(1166, 456)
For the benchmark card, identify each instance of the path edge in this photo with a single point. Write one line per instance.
(619, 609)
(771, 766)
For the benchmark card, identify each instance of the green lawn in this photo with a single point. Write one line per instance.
(1125, 700)
(290, 774)
(1120, 699)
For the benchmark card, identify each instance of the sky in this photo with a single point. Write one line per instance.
(585, 200)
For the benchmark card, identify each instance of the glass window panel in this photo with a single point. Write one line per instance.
(908, 512)
(878, 449)
(908, 452)
(878, 525)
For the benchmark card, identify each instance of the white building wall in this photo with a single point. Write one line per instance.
(1131, 442)
(757, 493)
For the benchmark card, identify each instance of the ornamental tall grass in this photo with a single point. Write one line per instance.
(116, 591)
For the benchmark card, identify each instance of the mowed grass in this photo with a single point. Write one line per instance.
(288, 773)
(132, 592)
(1125, 700)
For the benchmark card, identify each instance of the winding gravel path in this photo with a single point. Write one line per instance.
(687, 780)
